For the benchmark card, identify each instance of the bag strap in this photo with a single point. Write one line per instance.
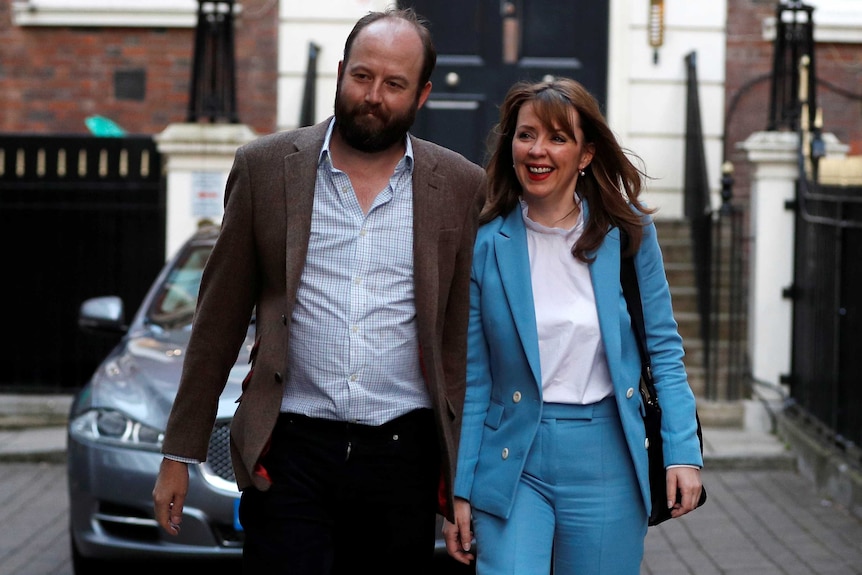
(631, 291)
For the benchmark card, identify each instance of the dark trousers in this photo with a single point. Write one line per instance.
(345, 498)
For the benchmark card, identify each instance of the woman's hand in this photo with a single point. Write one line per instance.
(686, 482)
(459, 535)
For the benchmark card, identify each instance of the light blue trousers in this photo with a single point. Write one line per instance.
(577, 502)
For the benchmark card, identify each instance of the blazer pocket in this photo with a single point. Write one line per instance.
(495, 415)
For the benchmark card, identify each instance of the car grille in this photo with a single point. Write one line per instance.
(218, 454)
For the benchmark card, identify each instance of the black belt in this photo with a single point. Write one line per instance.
(418, 419)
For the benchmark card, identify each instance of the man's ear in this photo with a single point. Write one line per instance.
(423, 95)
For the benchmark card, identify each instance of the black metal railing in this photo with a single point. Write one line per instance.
(729, 368)
(718, 253)
(212, 95)
(794, 38)
(826, 357)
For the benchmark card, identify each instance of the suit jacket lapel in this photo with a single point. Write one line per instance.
(605, 274)
(430, 212)
(513, 261)
(298, 180)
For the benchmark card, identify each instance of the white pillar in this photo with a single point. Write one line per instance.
(775, 159)
(198, 158)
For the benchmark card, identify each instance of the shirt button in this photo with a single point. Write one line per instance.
(516, 397)
(630, 392)
(505, 453)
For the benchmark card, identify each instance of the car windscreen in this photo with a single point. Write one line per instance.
(175, 301)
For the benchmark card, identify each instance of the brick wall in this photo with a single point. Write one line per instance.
(748, 84)
(52, 78)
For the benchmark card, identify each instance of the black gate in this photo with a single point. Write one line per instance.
(80, 217)
(827, 313)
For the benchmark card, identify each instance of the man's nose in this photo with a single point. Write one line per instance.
(374, 93)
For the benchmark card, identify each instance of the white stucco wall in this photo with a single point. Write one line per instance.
(647, 99)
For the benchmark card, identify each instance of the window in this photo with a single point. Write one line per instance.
(112, 13)
(834, 21)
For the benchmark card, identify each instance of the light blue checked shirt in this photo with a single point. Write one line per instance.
(354, 350)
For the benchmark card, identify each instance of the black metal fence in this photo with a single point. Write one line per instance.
(718, 252)
(80, 217)
(826, 366)
(728, 367)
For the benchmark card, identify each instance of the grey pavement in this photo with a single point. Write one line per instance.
(762, 517)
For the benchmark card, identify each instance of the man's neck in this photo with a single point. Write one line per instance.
(369, 172)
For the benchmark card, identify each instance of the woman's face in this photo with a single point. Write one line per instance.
(547, 162)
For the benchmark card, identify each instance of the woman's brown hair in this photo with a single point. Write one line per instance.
(611, 184)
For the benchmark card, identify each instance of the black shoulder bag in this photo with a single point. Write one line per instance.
(652, 416)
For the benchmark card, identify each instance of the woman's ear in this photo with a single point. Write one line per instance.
(587, 156)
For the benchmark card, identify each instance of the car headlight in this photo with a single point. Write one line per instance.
(116, 428)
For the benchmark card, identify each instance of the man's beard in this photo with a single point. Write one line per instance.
(364, 133)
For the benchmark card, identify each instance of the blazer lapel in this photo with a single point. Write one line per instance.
(431, 210)
(513, 262)
(605, 274)
(298, 180)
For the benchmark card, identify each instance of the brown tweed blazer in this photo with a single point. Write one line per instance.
(257, 263)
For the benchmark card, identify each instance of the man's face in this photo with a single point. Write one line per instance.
(378, 92)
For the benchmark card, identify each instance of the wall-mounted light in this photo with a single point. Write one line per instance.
(655, 27)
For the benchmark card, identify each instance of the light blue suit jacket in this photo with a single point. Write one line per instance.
(503, 401)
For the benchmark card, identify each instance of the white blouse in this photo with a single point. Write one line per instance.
(573, 363)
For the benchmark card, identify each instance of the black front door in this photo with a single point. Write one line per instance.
(485, 46)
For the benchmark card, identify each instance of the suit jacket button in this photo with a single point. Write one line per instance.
(283, 319)
(516, 397)
(646, 443)
(505, 453)
(630, 392)
(278, 377)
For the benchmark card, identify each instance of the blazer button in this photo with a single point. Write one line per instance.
(283, 319)
(630, 392)
(505, 453)
(516, 397)
(646, 443)
(278, 377)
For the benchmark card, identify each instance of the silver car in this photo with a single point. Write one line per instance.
(117, 422)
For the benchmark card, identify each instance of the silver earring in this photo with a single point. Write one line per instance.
(583, 173)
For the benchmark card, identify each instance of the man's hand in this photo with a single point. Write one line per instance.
(169, 494)
(459, 535)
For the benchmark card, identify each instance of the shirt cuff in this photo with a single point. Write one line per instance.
(180, 459)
